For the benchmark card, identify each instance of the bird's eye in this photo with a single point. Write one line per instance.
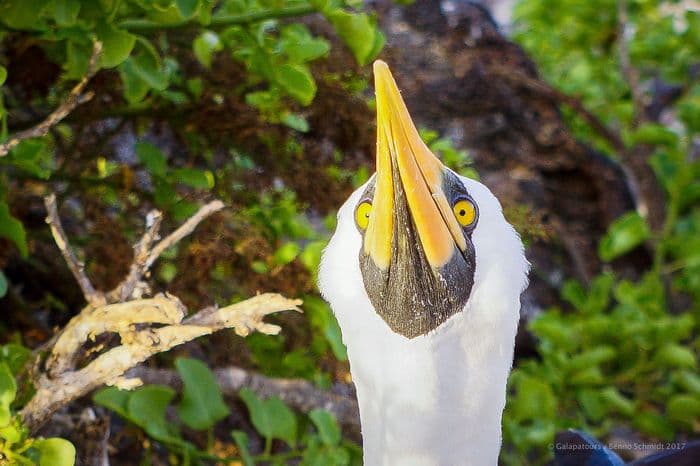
(362, 214)
(465, 211)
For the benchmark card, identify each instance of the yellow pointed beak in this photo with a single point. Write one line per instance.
(406, 163)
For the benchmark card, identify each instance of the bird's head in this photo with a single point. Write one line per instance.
(410, 228)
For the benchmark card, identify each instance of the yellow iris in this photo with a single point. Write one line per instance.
(362, 214)
(465, 212)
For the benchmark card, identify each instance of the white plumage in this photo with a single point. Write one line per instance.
(436, 399)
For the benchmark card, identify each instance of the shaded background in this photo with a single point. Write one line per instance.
(582, 117)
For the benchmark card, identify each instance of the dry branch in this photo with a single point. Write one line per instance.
(76, 267)
(75, 98)
(145, 326)
(138, 345)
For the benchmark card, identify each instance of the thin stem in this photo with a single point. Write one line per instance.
(219, 21)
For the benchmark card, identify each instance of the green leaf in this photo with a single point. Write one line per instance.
(187, 8)
(204, 47)
(3, 75)
(3, 284)
(300, 46)
(271, 417)
(311, 255)
(297, 81)
(322, 318)
(34, 157)
(654, 424)
(592, 357)
(684, 408)
(65, 12)
(12, 229)
(286, 253)
(22, 14)
(152, 158)
(202, 405)
(534, 398)
(592, 404)
(15, 356)
(326, 426)
(242, 443)
(259, 267)
(359, 32)
(146, 407)
(652, 133)
(625, 233)
(116, 44)
(135, 88)
(296, 122)
(689, 381)
(8, 392)
(616, 401)
(77, 58)
(114, 399)
(148, 68)
(55, 452)
(198, 179)
(673, 355)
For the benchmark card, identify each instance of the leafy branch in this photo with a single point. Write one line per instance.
(75, 97)
(219, 21)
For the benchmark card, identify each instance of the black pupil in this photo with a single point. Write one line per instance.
(462, 212)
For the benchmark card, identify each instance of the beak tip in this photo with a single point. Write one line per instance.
(380, 66)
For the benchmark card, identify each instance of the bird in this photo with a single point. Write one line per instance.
(424, 275)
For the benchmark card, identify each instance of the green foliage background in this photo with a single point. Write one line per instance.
(617, 353)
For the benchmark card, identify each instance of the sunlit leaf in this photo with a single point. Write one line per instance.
(201, 405)
(625, 233)
(146, 408)
(297, 81)
(65, 12)
(326, 426)
(8, 391)
(359, 32)
(205, 45)
(116, 44)
(55, 452)
(115, 399)
(271, 417)
(187, 8)
(22, 14)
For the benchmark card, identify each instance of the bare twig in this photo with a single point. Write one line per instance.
(299, 394)
(184, 230)
(137, 345)
(629, 72)
(144, 256)
(75, 98)
(92, 296)
(138, 267)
